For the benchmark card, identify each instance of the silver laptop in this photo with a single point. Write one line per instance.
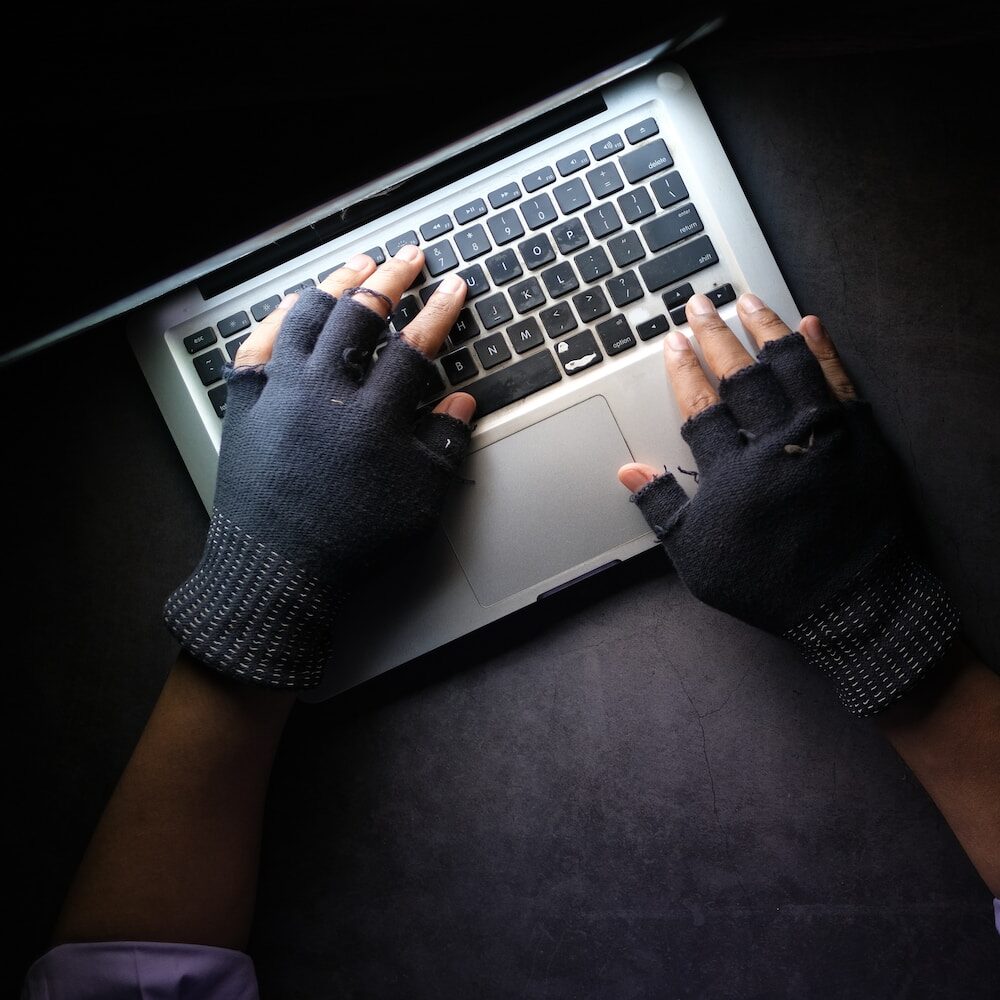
(579, 249)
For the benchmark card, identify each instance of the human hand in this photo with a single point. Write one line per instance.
(794, 527)
(325, 469)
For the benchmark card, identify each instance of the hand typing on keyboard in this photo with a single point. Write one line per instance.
(795, 525)
(324, 469)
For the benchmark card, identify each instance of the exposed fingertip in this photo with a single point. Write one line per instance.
(459, 405)
(813, 330)
(408, 252)
(677, 342)
(699, 305)
(633, 477)
(360, 262)
(451, 285)
(749, 303)
(288, 301)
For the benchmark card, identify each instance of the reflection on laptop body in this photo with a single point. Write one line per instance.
(580, 246)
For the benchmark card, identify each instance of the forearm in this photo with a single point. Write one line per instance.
(948, 733)
(174, 857)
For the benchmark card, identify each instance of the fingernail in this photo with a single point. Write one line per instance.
(408, 252)
(812, 329)
(635, 479)
(678, 342)
(750, 303)
(289, 301)
(450, 286)
(700, 305)
(461, 406)
(359, 262)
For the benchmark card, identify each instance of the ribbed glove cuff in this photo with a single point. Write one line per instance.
(251, 614)
(879, 635)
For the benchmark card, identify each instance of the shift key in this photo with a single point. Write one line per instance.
(676, 264)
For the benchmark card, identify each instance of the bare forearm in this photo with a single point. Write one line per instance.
(948, 733)
(174, 857)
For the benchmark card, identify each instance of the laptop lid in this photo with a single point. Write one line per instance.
(172, 145)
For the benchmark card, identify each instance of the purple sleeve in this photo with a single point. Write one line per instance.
(140, 970)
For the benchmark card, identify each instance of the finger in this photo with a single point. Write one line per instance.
(821, 345)
(354, 272)
(762, 323)
(692, 389)
(723, 352)
(635, 475)
(427, 331)
(259, 346)
(392, 279)
(459, 405)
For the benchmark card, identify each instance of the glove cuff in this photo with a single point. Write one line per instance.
(251, 614)
(880, 634)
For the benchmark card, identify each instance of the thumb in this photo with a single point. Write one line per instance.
(635, 475)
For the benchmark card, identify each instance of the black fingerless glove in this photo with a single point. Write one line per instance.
(324, 471)
(794, 529)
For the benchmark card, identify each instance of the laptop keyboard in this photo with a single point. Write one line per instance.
(549, 261)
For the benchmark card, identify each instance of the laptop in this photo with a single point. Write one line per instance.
(581, 224)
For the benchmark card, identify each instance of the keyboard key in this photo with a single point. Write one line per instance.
(606, 147)
(646, 161)
(539, 211)
(572, 163)
(603, 220)
(636, 205)
(541, 177)
(465, 328)
(473, 243)
(428, 290)
(476, 281)
(527, 295)
(571, 196)
(440, 257)
(672, 227)
(261, 309)
(652, 327)
(492, 351)
(376, 255)
(505, 227)
(233, 346)
(679, 315)
(570, 236)
(469, 211)
(300, 287)
(560, 280)
(323, 275)
(494, 311)
(669, 189)
(678, 296)
(459, 366)
(721, 295)
(592, 264)
(676, 264)
(525, 335)
(504, 267)
(558, 319)
(641, 130)
(626, 249)
(233, 324)
(436, 227)
(624, 288)
(616, 335)
(578, 353)
(209, 366)
(217, 397)
(513, 383)
(194, 342)
(590, 304)
(405, 312)
(397, 243)
(605, 181)
(433, 386)
(505, 195)
(536, 251)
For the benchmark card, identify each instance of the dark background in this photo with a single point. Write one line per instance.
(628, 795)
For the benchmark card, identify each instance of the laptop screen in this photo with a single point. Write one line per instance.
(153, 139)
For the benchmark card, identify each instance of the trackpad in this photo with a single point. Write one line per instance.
(545, 500)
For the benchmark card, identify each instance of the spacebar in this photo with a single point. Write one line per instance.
(513, 383)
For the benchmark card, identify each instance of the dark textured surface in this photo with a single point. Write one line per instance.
(632, 796)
